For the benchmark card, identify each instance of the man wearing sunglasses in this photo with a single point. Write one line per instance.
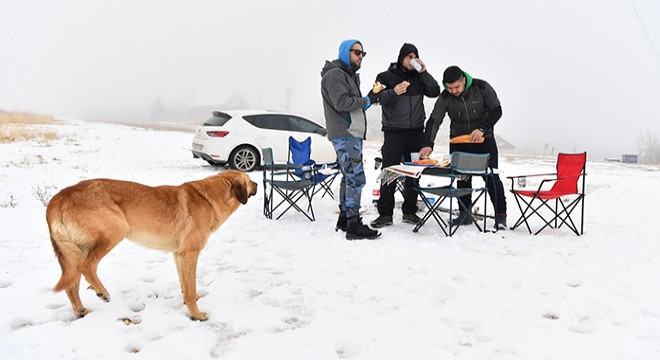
(406, 83)
(346, 123)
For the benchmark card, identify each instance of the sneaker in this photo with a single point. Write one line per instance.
(461, 219)
(411, 219)
(342, 222)
(500, 221)
(358, 231)
(382, 220)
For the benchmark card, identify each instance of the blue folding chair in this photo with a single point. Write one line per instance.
(300, 154)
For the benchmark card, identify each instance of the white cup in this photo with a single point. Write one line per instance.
(414, 156)
(415, 64)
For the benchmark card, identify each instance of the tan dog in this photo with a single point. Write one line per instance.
(88, 219)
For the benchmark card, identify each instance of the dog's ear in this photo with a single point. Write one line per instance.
(240, 190)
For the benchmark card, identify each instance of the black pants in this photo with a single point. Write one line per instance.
(494, 184)
(396, 148)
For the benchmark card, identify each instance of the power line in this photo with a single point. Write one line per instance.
(648, 37)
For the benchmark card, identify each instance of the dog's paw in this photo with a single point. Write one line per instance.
(80, 313)
(101, 295)
(201, 316)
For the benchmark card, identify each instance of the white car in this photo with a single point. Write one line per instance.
(237, 137)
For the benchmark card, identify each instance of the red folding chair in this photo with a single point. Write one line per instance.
(570, 170)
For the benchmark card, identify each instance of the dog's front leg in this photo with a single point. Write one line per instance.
(187, 268)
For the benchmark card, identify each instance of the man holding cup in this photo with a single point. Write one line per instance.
(405, 84)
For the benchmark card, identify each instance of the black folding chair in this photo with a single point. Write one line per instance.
(279, 181)
(570, 169)
(462, 164)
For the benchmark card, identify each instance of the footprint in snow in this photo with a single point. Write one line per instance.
(136, 306)
(55, 306)
(20, 323)
(5, 284)
(551, 316)
(586, 323)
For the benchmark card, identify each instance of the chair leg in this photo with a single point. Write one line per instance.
(567, 219)
(292, 199)
(522, 219)
(534, 210)
(431, 212)
(559, 218)
(468, 210)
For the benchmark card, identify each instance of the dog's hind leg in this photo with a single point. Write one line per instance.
(102, 247)
(187, 267)
(73, 293)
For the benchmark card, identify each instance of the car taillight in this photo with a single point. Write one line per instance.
(217, 133)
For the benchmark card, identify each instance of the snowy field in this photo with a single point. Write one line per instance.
(293, 289)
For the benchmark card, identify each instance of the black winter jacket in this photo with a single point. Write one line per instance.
(406, 111)
(476, 108)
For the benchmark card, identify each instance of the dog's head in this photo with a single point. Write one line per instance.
(241, 185)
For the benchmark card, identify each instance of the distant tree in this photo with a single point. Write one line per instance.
(649, 148)
(288, 94)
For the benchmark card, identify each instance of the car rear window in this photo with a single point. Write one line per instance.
(268, 121)
(218, 119)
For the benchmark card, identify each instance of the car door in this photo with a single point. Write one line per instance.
(301, 128)
(271, 131)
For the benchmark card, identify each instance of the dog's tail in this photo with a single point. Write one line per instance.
(69, 255)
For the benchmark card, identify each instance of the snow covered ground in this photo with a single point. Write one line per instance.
(292, 289)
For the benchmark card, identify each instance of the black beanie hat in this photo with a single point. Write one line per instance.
(406, 49)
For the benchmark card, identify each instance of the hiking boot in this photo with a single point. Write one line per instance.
(411, 219)
(342, 222)
(461, 219)
(358, 231)
(382, 220)
(500, 221)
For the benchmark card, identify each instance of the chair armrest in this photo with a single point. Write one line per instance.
(519, 176)
(512, 178)
(553, 180)
(282, 166)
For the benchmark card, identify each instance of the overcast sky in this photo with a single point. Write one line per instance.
(574, 74)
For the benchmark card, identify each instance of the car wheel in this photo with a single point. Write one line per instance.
(244, 158)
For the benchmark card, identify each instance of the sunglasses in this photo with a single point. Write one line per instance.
(359, 52)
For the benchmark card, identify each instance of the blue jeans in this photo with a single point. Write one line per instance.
(349, 155)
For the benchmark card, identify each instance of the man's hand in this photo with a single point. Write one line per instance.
(421, 63)
(401, 88)
(373, 97)
(425, 152)
(476, 135)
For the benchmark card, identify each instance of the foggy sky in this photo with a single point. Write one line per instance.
(574, 74)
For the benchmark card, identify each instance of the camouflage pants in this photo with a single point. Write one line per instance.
(349, 155)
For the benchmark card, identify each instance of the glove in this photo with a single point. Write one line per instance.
(373, 97)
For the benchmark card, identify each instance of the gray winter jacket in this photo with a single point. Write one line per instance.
(343, 104)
